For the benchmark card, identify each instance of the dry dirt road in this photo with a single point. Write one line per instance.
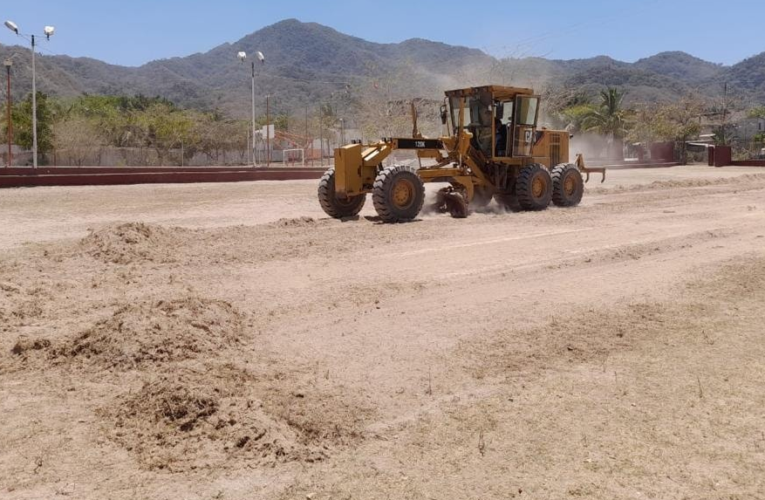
(227, 341)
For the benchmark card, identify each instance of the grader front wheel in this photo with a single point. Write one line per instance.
(398, 194)
(335, 206)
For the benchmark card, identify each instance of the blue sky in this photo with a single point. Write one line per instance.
(137, 31)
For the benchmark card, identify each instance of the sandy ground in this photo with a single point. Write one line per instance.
(229, 342)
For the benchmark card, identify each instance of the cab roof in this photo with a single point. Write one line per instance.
(497, 91)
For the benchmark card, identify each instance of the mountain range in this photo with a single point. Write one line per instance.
(308, 63)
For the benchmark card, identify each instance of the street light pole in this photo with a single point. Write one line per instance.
(725, 114)
(243, 57)
(9, 105)
(48, 30)
(253, 114)
(34, 107)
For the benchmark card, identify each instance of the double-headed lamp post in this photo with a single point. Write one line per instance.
(48, 32)
(9, 105)
(262, 59)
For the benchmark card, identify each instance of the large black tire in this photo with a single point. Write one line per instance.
(568, 186)
(333, 205)
(534, 188)
(398, 194)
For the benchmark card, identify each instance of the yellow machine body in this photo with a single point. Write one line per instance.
(475, 153)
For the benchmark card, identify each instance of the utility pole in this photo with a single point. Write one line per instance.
(268, 131)
(49, 30)
(34, 108)
(9, 105)
(725, 114)
(253, 114)
(243, 57)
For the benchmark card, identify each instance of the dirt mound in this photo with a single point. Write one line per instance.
(187, 421)
(157, 332)
(298, 222)
(134, 242)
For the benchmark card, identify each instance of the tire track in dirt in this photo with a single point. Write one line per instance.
(508, 429)
(419, 360)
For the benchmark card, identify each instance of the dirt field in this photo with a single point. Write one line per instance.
(229, 342)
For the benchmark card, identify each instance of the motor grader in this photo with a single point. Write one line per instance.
(492, 149)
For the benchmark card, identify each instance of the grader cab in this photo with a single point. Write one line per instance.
(492, 149)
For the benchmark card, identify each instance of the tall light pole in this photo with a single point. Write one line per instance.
(48, 32)
(243, 57)
(725, 114)
(9, 105)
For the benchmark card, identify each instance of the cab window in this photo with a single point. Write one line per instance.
(527, 111)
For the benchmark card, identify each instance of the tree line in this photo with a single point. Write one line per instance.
(679, 122)
(79, 126)
(82, 125)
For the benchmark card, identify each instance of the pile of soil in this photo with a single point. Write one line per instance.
(157, 332)
(131, 243)
(191, 421)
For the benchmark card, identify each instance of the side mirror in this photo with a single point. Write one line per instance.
(444, 114)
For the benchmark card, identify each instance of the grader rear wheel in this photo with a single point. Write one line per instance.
(333, 205)
(398, 194)
(534, 188)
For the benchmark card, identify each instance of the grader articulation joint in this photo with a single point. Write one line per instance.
(492, 150)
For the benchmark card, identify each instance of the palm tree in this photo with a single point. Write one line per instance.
(609, 118)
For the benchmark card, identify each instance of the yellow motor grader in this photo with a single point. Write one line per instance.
(492, 149)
